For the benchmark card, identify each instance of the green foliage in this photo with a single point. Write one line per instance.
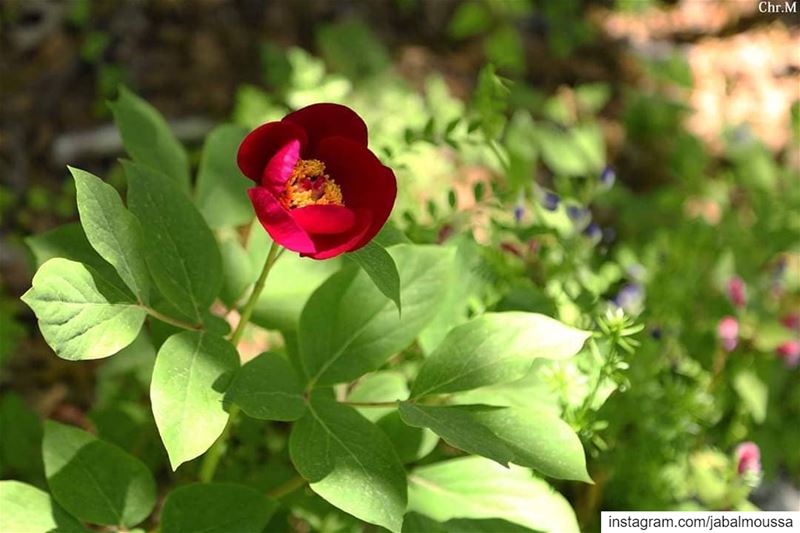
(95, 480)
(190, 377)
(366, 404)
(380, 267)
(112, 231)
(268, 388)
(181, 252)
(27, 509)
(473, 487)
(352, 49)
(22, 439)
(456, 425)
(494, 348)
(292, 281)
(349, 327)
(82, 315)
(350, 463)
(148, 139)
(221, 191)
(216, 508)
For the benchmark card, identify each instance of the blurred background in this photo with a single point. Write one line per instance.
(656, 142)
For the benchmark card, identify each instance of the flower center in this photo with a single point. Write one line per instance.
(309, 185)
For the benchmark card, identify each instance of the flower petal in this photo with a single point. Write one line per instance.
(279, 223)
(332, 245)
(327, 120)
(280, 167)
(262, 143)
(324, 219)
(365, 182)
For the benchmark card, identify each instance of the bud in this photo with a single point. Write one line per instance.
(737, 291)
(748, 459)
(791, 321)
(790, 352)
(728, 332)
(511, 248)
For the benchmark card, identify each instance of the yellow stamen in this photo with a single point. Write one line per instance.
(309, 185)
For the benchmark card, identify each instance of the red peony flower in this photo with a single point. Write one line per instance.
(319, 190)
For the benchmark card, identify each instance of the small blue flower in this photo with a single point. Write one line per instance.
(519, 211)
(630, 298)
(576, 213)
(550, 201)
(608, 177)
(593, 232)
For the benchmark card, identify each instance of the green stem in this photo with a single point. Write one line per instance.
(211, 459)
(501, 159)
(604, 371)
(287, 488)
(247, 311)
(217, 450)
(169, 320)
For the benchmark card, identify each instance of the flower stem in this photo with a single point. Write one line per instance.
(247, 310)
(169, 320)
(211, 460)
(287, 488)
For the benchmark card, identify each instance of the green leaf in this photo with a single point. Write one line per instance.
(416, 523)
(457, 425)
(191, 374)
(538, 439)
(292, 280)
(469, 19)
(379, 387)
(69, 242)
(494, 348)
(94, 480)
(21, 439)
(216, 508)
(474, 487)
(410, 443)
(238, 273)
(753, 393)
(349, 328)
(350, 463)
(112, 230)
(180, 250)
(390, 234)
(351, 47)
(148, 139)
(26, 509)
(505, 48)
(221, 193)
(267, 388)
(490, 101)
(467, 267)
(380, 267)
(81, 315)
